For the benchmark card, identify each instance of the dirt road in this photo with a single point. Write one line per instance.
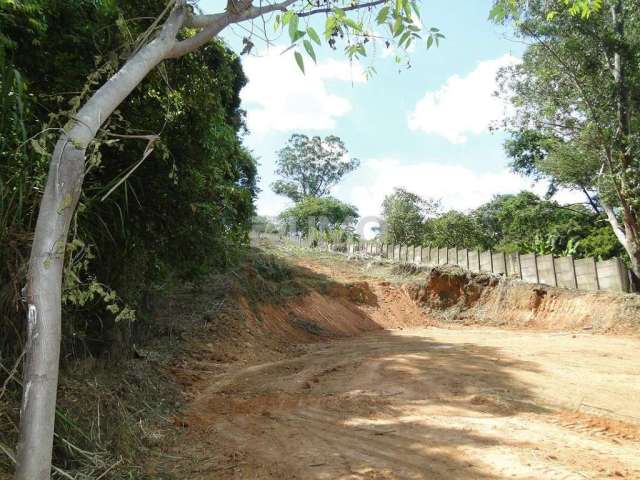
(427, 404)
(413, 402)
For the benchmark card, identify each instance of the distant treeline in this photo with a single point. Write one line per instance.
(521, 223)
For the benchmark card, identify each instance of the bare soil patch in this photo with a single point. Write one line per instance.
(358, 382)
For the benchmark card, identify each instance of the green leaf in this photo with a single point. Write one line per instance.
(404, 38)
(398, 26)
(407, 8)
(287, 17)
(297, 36)
(353, 24)
(330, 26)
(309, 48)
(382, 15)
(313, 35)
(299, 60)
(429, 41)
(293, 27)
(416, 9)
(498, 13)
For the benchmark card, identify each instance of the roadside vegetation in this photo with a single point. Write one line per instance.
(125, 186)
(155, 212)
(511, 223)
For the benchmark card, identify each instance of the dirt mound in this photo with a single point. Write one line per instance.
(454, 295)
(448, 287)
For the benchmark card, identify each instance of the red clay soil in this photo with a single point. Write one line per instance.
(361, 383)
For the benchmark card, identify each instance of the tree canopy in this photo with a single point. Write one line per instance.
(311, 166)
(404, 214)
(526, 223)
(576, 111)
(320, 214)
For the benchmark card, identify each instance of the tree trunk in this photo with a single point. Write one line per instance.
(627, 236)
(44, 287)
(37, 413)
(64, 185)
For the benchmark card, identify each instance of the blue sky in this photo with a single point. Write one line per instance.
(425, 128)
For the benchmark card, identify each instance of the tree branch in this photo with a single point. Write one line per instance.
(213, 24)
(346, 9)
(615, 225)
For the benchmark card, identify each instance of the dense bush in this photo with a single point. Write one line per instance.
(526, 223)
(511, 223)
(183, 211)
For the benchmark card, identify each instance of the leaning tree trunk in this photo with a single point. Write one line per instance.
(64, 184)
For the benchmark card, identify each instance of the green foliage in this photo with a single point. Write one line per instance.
(310, 167)
(180, 212)
(504, 9)
(576, 110)
(353, 24)
(185, 209)
(511, 223)
(404, 214)
(316, 216)
(455, 229)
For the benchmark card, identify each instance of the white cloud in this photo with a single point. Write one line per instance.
(457, 186)
(463, 105)
(280, 98)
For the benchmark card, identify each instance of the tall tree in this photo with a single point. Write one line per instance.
(404, 214)
(310, 167)
(455, 229)
(178, 30)
(576, 96)
(320, 213)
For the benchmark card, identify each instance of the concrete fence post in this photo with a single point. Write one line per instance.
(553, 269)
(632, 283)
(624, 277)
(572, 264)
(491, 259)
(519, 265)
(535, 263)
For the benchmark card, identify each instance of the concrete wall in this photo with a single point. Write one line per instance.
(546, 270)
(442, 256)
(564, 272)
(463, 258)
(485, 261)
(612, 275)
(587, 274)
(417, 258)
(474, 260)
(452, 256)
(513, 264)
(499, 263)
(529, 268)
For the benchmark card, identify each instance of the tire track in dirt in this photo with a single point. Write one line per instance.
(416, 403)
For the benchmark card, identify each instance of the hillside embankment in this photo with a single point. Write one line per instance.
(303, 365)
(453, 295)
(359, 370)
